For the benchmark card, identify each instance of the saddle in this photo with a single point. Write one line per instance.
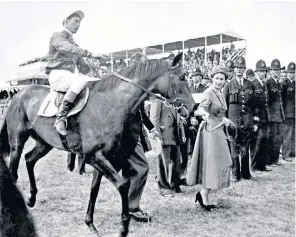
(53, 100)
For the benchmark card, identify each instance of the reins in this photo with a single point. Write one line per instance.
(92, 63)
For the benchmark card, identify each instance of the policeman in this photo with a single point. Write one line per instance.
(259, 145)
(288, 85)
(230, 66)
(239, 94)
(276, 111)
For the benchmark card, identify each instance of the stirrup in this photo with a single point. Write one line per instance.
(62, 131)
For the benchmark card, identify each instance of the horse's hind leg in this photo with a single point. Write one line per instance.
(41, 149)
(95, 186)
(102, 164)
(17, 140)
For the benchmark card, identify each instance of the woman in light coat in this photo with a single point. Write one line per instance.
(211, 160)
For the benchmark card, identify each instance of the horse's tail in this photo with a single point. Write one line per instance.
(4, 142)
(14, 215)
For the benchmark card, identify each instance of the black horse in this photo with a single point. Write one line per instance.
(105, 132)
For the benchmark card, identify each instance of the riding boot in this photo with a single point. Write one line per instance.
(61, 120)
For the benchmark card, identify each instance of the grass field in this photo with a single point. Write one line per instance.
(264, 206)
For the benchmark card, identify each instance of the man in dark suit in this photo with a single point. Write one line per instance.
(259, 145)
(276, 111)
(197, 87)
(238, 94)
(288, 85)
(137, 164)
(166, 120)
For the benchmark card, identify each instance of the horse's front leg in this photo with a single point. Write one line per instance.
(95, 186)
(102, 164)
(81, 164)
(71, 161)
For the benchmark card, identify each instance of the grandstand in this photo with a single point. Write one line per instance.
(204, 52)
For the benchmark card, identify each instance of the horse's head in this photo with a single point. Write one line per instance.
(173, 86)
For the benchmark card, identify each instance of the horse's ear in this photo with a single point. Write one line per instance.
(177, 59)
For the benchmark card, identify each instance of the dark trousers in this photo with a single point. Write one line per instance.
(274, 142)
(259, 148)
(168, 170)
(184, 160)
(136, 170)
(240, 154)
(288, 145)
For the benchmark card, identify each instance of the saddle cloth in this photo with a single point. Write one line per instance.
(52, 101)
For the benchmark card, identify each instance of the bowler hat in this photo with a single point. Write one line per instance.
(291, 67)
(240, 62)
(230, 65)
(261, 66)
(250, 72)
(197, 72)
(276, 65)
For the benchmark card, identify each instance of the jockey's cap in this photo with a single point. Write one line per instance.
(78, 13)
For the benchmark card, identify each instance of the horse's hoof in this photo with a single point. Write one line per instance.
(123, 233)
(94, 234)
(31, 203)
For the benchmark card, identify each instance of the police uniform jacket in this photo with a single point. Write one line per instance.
(64, 53)
(289, 98)
(275, 105)
(240, 102)
(261, 101)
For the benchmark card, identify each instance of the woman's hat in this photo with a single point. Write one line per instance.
(219, 69)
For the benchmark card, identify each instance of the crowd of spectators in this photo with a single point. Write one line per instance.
(196, 59)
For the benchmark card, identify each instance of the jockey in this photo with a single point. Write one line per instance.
(63, 57)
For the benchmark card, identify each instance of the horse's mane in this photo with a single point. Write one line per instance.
(150, 68)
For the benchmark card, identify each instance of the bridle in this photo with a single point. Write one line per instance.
(95, 64)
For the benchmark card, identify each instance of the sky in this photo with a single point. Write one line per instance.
(26, 27)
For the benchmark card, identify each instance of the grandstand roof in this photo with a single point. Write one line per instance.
(212, 39)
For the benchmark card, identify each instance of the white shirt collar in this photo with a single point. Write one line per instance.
(69, 32)
(240, 80)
